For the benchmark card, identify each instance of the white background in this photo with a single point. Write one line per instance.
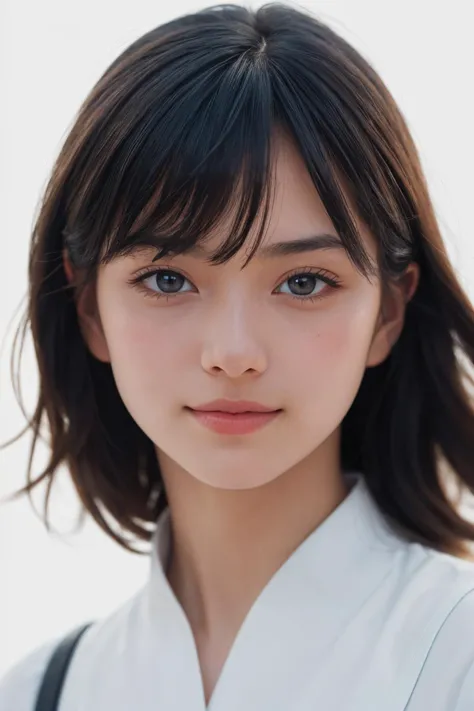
(52, 53)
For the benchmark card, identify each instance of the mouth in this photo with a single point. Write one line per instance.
(233, 417)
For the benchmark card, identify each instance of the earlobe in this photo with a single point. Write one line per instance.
(88, 316)
(392, 315)
(384, 339)
(93, 334)
(91, 325)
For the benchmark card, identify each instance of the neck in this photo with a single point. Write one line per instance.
(227, 545)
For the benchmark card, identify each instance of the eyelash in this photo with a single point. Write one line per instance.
(325, 276)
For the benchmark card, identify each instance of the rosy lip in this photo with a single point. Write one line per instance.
(233, 406)
(236, 419)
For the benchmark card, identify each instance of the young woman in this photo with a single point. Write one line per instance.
(254, 353)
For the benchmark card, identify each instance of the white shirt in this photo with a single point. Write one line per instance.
(356, 619)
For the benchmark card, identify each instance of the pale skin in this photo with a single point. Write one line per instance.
(240, 505)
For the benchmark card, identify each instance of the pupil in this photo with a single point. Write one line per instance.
(169, 282)
(302, 285)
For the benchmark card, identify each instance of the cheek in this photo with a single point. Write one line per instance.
(149, 348)
(330, 354)
(141, 329)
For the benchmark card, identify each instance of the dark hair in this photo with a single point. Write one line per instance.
(178, 131)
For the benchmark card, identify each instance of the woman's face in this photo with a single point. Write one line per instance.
(293, 331)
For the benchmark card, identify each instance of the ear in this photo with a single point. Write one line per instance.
(88, 314)
(392, 314)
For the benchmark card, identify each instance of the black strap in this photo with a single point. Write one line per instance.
(55, 674)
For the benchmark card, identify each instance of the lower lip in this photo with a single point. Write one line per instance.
(234, 423)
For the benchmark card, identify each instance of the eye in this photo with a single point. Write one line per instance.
(168, 282)
(307, 284)
(162, 282)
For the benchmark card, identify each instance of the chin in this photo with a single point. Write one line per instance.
(228, 468)
(236, 482)
(238, 474)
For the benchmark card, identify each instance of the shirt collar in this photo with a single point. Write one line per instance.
(354, 539)
(306, 607)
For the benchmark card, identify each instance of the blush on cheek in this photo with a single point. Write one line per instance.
(149, 355)
(350, 330)
(332, 340)
(333, 354)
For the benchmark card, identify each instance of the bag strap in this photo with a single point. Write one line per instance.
(56, 670)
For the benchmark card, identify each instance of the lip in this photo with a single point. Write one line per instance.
(233, 417)
(233, 406)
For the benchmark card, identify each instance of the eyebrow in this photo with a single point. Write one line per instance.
(299, 246)
(324, 240)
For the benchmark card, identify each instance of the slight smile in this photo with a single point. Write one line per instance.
(233, 417)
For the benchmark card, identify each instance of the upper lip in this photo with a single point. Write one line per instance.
(235, 406)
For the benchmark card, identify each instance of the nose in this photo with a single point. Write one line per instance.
(233, 345)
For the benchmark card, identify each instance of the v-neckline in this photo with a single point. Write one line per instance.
(309, 591)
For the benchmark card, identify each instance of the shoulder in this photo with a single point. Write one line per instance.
(439, 584)
(422, 574)
(445, 586)
(20, 685)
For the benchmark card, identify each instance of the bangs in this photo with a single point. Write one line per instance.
(187, 144)
(206, 163)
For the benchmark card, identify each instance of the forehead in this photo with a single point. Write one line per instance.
(296, 209)
(296, 204)
(293, 212)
